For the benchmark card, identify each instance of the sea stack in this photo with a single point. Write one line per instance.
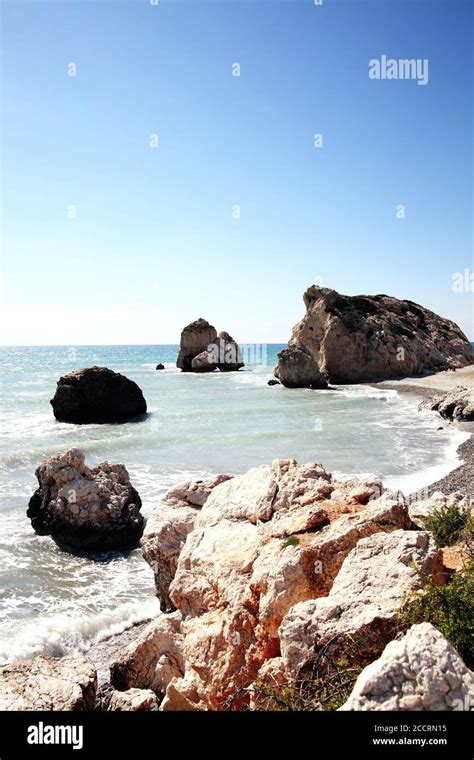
(85, 508)
(97, 394)
(202, 349)
(353, 339)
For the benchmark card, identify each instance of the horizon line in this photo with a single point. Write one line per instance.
(101, 345)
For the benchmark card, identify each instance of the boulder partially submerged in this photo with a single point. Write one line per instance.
(85, 508)
(352, 339)
(222, 353)
(97, 394)
(297, 369)
(202, 349)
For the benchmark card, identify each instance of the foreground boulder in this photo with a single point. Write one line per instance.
(133, 700)
(357, 338)
(421, 671)
(457, 404)
(202, 349)
(154, 659)
(45, 683)
(261, 543)
(99, 395)
(371, 587)
(85, 508)
(168, 527)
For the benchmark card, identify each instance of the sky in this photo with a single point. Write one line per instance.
(155, 186)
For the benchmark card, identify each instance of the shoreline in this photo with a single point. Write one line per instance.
(461, 477)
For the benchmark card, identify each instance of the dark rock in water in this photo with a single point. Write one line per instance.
(97, 394)
(85, 509)
(222, 353)
(273, 382)
(352, 339)
(195, 338)
(160, 366)
(297, 369)
(202, 349)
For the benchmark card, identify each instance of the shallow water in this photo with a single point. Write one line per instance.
(196, 425)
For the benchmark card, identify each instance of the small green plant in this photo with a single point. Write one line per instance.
(447, 524)
(291, 541)
(450, 608)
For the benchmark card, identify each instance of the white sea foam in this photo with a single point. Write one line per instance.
(198, 424)
(411, 482)
(57, 635)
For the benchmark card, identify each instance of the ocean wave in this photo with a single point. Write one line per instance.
(65, 633)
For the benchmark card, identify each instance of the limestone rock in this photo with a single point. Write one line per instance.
(420, 671)
(133, 700)
(85, 508)
(45, 683)
(154, 659)
(202, 349)
(160, 366)
(195, 338)
(167, 528)
(357, 338)
(420, 508)
(263, 542)
(370, 589)
(457, 404)
(222, 353)
(97, 394)
(297, 368)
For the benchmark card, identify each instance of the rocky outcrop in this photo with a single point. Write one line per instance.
(372, 585)
(202, 349)
(419, 508)
(97, 394)
(457, 404)
(154, 659)
(45, 683)
(357, 338)
(195, 338)
(85, 508)
(421, 671)
(223, 354)
(160, 366)
(297, 369)
(133, 700)
(262, 543)
(167, 528)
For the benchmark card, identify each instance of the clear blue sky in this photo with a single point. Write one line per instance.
(154, 244)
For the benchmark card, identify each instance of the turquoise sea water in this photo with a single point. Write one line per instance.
(196, 425)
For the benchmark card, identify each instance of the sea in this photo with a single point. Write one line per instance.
(54, 603)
